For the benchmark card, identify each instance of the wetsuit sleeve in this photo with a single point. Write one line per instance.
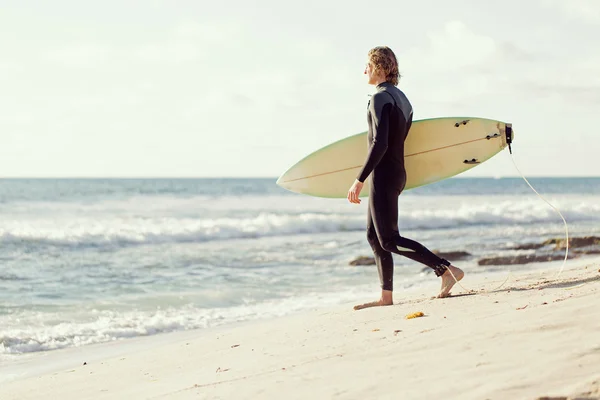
(379, 109)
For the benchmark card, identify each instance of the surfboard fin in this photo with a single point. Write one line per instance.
(466, 121)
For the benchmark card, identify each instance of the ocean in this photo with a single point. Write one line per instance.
(87, 261)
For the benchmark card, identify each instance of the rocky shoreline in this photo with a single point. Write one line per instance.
(549, 250)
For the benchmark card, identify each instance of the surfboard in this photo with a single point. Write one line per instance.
(435, 149)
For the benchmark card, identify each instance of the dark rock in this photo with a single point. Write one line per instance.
(522, 259)
(452, 255)
(586, 252)
(577, 242)
(529, 246)
(559, 243)
(362, 260)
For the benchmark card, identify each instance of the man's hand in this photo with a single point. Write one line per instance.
(354, 192)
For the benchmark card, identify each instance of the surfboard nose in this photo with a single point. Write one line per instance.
(285, 179)
(281, 181)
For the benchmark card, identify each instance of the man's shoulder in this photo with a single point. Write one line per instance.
(383, 96)
(380, 99)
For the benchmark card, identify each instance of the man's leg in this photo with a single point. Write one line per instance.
(385, 221)
(385, 267)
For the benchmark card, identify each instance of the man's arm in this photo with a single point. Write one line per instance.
(380, 109)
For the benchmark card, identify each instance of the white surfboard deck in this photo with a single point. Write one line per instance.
(435, 149)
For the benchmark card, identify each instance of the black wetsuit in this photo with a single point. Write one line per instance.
(390, 118)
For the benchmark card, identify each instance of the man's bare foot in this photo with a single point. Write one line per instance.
(448, 280)
(385, 300)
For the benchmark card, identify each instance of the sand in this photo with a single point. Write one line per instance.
(536, 336)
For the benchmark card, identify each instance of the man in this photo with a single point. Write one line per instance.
(389, 118)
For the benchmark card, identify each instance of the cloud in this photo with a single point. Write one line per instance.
(455, 63)
(565, 92)
(581, 10)
(77, 55)
(459, 63)
(456, 46)
(169, 52)
(8, 66)
(209, 31)
(510, 52)
(192, 41)
(573, 81)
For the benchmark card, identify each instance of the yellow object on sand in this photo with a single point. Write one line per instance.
(415, 315)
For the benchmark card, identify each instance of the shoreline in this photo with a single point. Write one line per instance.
(534, 324)
(431, 286)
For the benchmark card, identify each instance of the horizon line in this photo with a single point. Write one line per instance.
(269, 177)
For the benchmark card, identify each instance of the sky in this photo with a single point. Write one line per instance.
(246, 89)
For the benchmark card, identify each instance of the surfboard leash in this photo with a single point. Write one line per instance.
(508, 132)
(559, 213)
(509, 141)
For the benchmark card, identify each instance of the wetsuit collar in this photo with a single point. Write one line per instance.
(383, 84)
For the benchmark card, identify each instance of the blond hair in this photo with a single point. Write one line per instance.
(383, 59)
